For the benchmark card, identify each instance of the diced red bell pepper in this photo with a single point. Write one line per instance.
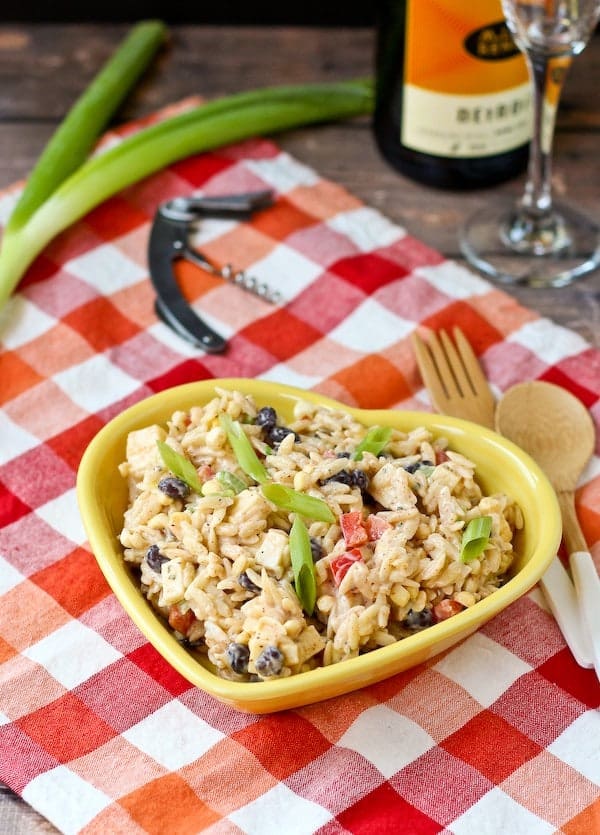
(353, 528)
(375, 526)
(341, 564)
(446, 609)
(181, 621)
(206, 472)
(440, 456)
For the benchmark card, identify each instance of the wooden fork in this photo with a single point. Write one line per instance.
(453, 377)
(458, 387)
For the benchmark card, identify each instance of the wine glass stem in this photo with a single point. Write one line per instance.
(548, 76)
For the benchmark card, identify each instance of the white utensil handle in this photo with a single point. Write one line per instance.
(564, 605)
(587, 585)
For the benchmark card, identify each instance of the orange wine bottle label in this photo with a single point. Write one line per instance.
(466, 87)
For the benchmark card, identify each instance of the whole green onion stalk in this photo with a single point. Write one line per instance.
(75, 137)
(66, 183)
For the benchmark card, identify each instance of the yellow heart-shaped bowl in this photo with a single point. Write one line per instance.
(500, 466)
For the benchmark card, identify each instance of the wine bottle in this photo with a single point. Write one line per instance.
(453, 97)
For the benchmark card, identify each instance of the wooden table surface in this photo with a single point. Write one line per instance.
(43, 67)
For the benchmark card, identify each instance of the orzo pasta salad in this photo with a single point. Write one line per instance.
(278, 548)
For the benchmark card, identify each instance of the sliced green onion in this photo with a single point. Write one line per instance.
(426, 469)
(231, 482)
(373, 442)
(243, 449)
(475, 538)
(288, 499)
(302, 565)
(226, 120)
(180, 466)
(74, 138)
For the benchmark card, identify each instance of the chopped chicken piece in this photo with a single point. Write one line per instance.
(274, 552)
(173, 586)
(142, 451)
(249, 504)
(390, 487)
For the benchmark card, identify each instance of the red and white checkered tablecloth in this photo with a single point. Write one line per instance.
(500, 734)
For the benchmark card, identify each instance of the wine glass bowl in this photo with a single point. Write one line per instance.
(554, 28)
(538, 241)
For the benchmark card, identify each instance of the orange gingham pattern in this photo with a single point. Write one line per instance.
(100, 735)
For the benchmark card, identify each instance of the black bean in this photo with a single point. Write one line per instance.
(174, 487)
(412, 468)
(266, 417)
(269, 662)
(356, 478)
(315, 549)
(237, 656)
(155, 559)
(246, 583)
(418, 620)
(373, 503)
(360, 479)
(276, 435)
(343, 477)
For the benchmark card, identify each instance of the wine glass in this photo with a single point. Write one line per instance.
(539, 242)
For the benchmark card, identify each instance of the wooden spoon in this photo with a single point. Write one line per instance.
(557, 431)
